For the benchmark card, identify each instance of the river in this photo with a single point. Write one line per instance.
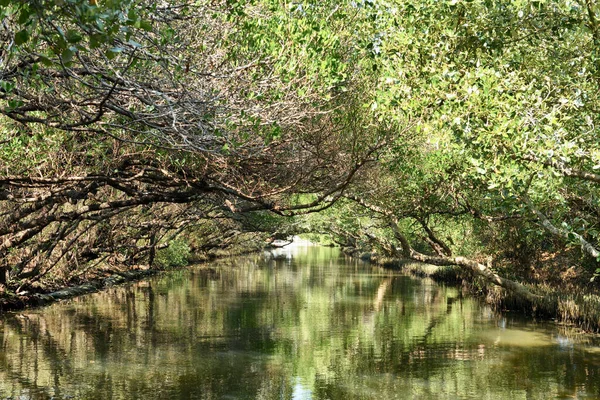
(309, 323)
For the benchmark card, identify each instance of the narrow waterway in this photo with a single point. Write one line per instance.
(307, 324)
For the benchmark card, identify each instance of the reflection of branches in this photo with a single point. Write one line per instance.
(41, 338)
(14, 374)
(422, 340)
(381, 291)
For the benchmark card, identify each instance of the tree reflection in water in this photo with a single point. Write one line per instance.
(315, 325)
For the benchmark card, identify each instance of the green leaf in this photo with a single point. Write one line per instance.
(95, 41)
(21, 37)
(7, 86)
(46, 61)
(73, 36)
(132, 15)
(13, 104)
(24, 16)
(112, 53)
(145, 25)
(67, 54)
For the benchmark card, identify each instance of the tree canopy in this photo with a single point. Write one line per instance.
(425, 129)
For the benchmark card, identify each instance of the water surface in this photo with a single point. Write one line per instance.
(309, 324)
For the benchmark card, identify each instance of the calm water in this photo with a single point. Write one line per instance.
(309, 325)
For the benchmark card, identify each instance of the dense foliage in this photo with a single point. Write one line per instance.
(129, 123)
(504, 148)
(424, 129)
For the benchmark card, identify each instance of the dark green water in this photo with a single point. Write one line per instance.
(310, 325)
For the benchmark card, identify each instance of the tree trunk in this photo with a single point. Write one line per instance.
(473, 266)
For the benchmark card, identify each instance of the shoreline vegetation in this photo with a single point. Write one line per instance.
(577, 309)
(23, 301)
(104, 279)
(454, 133)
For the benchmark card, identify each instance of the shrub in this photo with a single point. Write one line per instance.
(176, 254)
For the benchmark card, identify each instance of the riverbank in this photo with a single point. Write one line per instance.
(172, 258)
(99, 280)
(258, 326)
(13, 302)
(579, 308)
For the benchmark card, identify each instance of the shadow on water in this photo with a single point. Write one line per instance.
(306, 323)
